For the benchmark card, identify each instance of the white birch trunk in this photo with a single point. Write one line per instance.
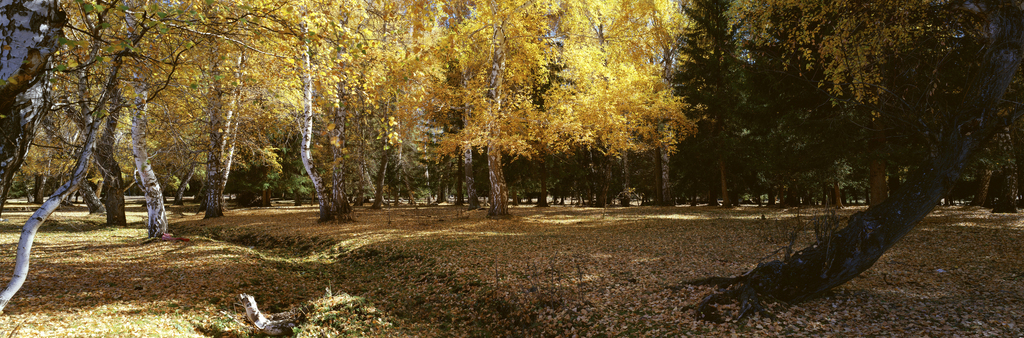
(28, 232)
(306, 128)
(156, 223)
(30, 30)
(262, 323)
(221, 149)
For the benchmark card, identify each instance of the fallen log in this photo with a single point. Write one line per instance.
(274, 326)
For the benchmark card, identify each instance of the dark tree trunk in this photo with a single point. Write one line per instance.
(459, 175)
(666, 184)
(983, 183)
(894, 178)
(341, 211)
(542, 200)
(838, 258)
(726, 201)
(624, 197)
(378, 194)
(876, 176)
(713, 194)
(39, 188)
(179, 196)
(658, 177)
(1007, 203)
(837, 197)
(771, 197)
(113, 182)
(472, 199)
(499, 190)
(95, 205)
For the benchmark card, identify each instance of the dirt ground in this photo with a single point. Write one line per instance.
(440, 271)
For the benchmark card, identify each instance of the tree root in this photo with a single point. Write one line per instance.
(730, 290)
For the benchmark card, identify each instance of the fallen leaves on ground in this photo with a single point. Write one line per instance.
(560, 271)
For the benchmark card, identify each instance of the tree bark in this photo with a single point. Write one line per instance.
(262, 324)
(110, 169)
(499, 190)
(342, 211)
(1007, 203)
(179, 196)
(666, 182)
(471, 196)
(403, 169)
(983, 183)
(624, 199)
(378, 194)
(319, 190)
(542, 200)
(31, 227)
(31, 30)
(93, 202)
(39, 190)
(459, 178)
(836, 259)
(156, 222)
(837, 196)
(726, 201)
(876, 175)
(218, 129)
(659, 197)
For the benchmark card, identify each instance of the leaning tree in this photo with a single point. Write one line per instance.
(953, 131)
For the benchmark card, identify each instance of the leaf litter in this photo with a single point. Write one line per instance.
(442, 271)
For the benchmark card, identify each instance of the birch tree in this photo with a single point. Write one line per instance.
(32, 30)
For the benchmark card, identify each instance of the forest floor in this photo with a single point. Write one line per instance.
(441, 271)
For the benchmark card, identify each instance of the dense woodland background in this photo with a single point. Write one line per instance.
(593, 103)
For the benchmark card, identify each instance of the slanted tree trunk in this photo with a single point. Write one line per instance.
(156, 222)
(838, 258)
(93, 202)
(1007, 203)
(179, 196)
(28, 232)
(983, 183)
(277, 327)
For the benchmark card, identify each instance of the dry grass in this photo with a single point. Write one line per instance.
(560, 271)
